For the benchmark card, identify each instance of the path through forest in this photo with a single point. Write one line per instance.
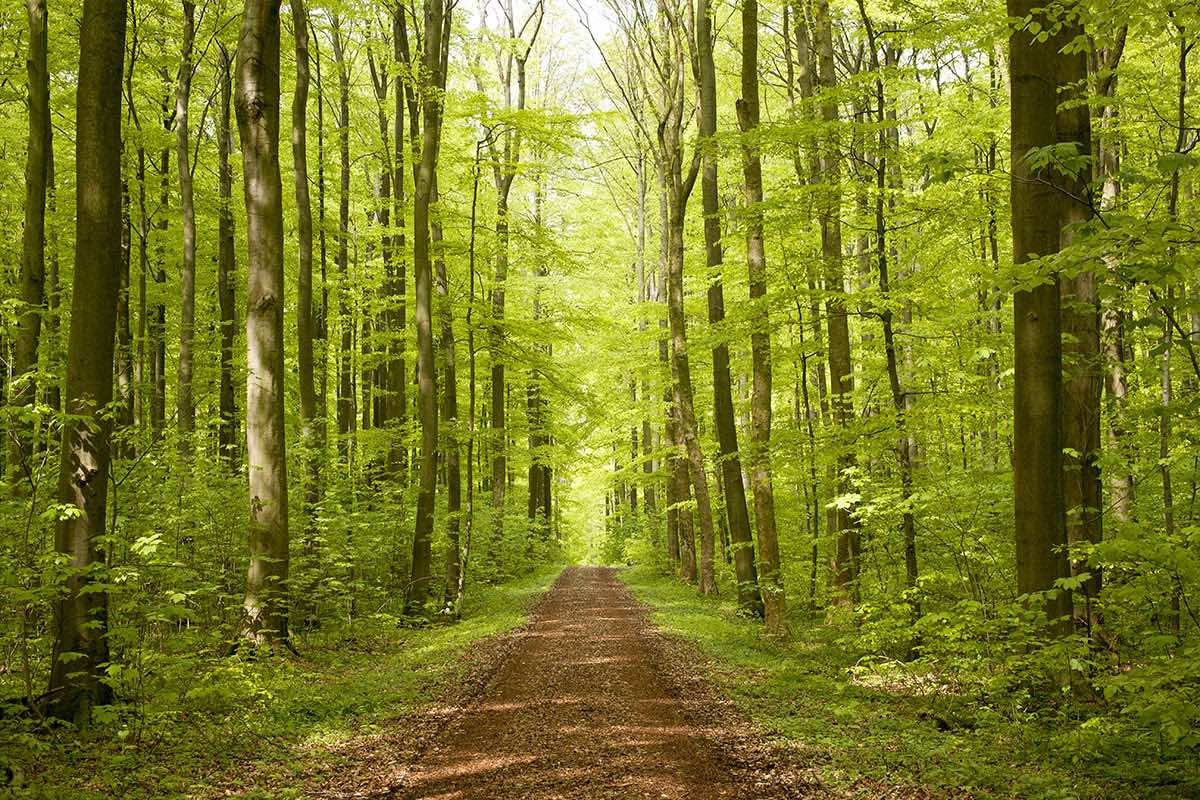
(584, 706)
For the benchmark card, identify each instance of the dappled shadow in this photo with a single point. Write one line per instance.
(579, 709)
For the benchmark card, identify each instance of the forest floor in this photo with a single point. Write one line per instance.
(607, 685)
(593, 702)
(207, 726)
(868, 727)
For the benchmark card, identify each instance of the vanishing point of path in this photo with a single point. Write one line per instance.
(582, 707)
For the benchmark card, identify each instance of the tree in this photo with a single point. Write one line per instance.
(33, 245)
(438, 19)
(187, 306)
(1037, 317)
(304, 285)
(346, 411)
(81, 613)
(730, 464)
(774, 599)
(841, 372)
(227, 440)
(257, 102)
(505, 160)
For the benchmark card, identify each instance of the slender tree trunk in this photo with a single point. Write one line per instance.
(33, 247)
(53, 289)
(257, 103)
(309, 429)
(1112, 319)
(671, 463)
(124, 356)
(346, 416)
(158, 323)
(455, 554)
(321, 310)
(468, 516)
(1037, 314)
(227, 438)
(81, 610)
(496, 347)
(841, 374)
(396, 399)
(185, 406)
(771, 577)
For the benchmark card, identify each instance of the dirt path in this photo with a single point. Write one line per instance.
(582, 707)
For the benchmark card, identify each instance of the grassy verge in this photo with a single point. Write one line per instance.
(866, 731)
(214, 726)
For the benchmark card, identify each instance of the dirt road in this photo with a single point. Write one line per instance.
(583, 707)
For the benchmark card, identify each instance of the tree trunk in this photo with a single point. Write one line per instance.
(185, 407)
(158, 323)
(396, 400)
(81, 611)
(1037, 313)
(736, 512)
(1083, 383)
(227, 437)
(33, 247)
(257, 103)
(313, 446)
(771, 580)
(496, 347)
(455, 556)
(437, 34)
(841, 374)
(346, 416)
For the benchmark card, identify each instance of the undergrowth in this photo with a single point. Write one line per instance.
(864, 721)
(217, 725)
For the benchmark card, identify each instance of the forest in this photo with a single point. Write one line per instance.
(600, 398)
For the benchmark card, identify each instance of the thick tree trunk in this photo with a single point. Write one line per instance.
(736, 512)
(185, 406)
(771, 571)
(257, 103)
(81, 611)
(1083, 382)
(437, 30)
(1037, 313)
(686, 426)
(33, 247)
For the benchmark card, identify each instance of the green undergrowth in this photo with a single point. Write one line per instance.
(865, 723)
(217, 725)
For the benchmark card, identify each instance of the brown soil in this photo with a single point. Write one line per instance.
(590, 702)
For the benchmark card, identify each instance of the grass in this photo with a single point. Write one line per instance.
(863, 730)
(213, 726)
